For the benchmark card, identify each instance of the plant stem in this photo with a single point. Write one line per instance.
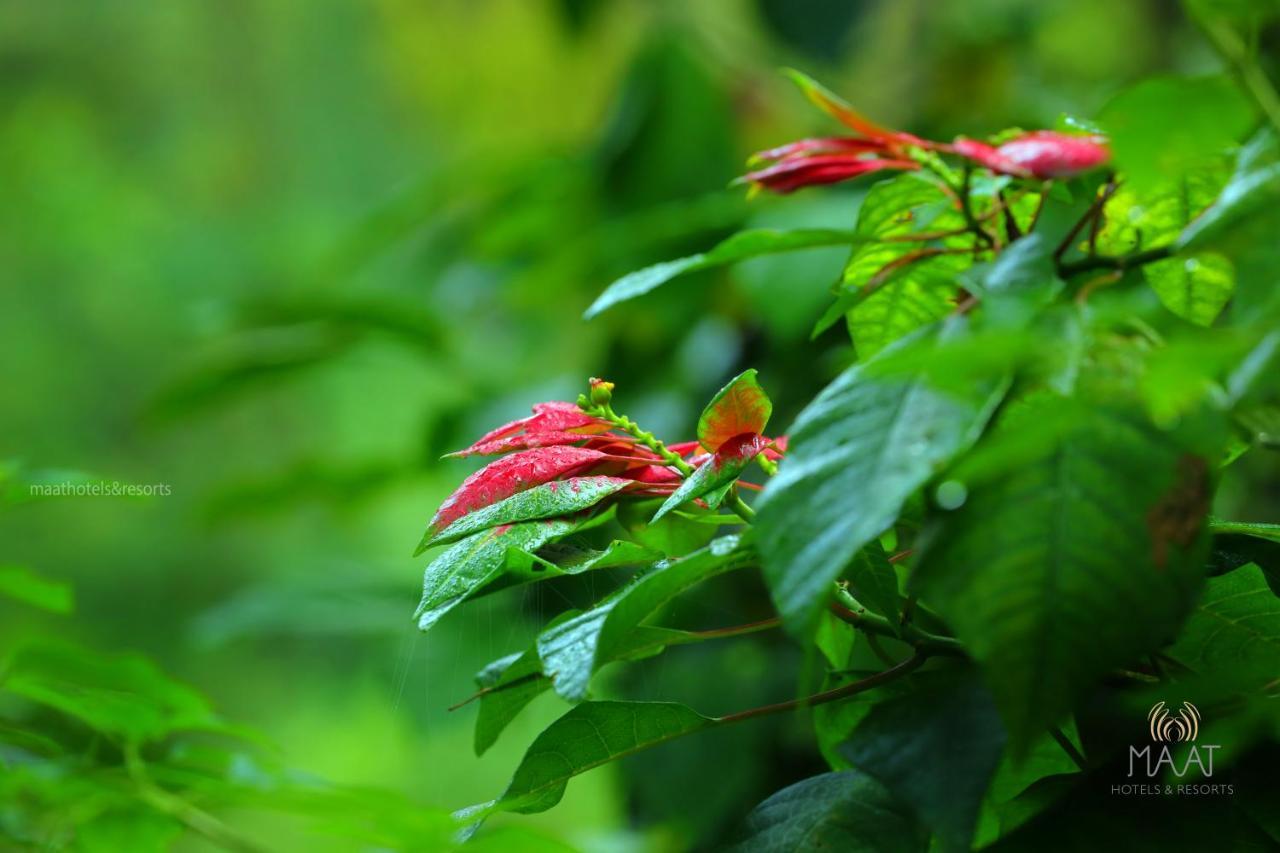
(1233, 50)
(873, 623)
(967, 210)
(648, 439)
(833, 695)
(193, 818)
(741, 507)
(1114, 262)
(692, 637)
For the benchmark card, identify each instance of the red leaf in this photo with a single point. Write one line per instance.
(741, 406)
(547, 418)
(504, 477)
(790, 175)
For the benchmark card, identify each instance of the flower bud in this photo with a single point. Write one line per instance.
(601, 391)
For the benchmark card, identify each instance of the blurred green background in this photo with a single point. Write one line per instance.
(282, 255)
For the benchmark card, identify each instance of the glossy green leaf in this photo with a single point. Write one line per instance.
(503, 556)
(1235, 629)
(1081, 553)
(936, 749)
(1195, 288)
(592, 734)
(746, 244)
(573, 650)
(23, 585)
(856, 453)
(513, 682)
(739, 407)
(847, 811)
(712, 478)
(548, 500)
(874, 581)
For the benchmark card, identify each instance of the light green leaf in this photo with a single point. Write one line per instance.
(1254, 185)
(548, 500)
(1084, 553)
(1195, 288)
(894, 284)
(1235, 629)
(847, 811)
(936, 749)
(856, 453)
(573, 650)
(1164, 127)
(21, 584)
(1260, 530)
(746, 244)
(122, 696)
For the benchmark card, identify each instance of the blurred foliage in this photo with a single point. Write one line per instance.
(282, 256)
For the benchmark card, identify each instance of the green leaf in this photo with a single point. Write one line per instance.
(573, 650)
(1164, 127)
(1018, 284)
(712, 478)
(1195, 288)
(1080, 554)
(1235, 629)
(513, 682)
(557, 498)
(893, 284)
(848, 811)
(592, 734)
(1254, 185)
(1259, 530)
(739, 407)
(874, 581)
(23, 585)
(122, 696)
(936, 749)
(856, 454)
(746, 244)
(503, 556)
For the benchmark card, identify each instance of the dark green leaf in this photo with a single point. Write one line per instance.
(747, 244)
(847, 811)
(874, 581)
(856, 454)
(1083, 553)
(936, 749)
(516, 680)
(592, 734)
(573, 650)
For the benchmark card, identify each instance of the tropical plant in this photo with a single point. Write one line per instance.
(994, 530)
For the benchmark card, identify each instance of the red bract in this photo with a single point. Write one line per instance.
(515, 473)
(1039, 154)
(807, 171)
(550, 424)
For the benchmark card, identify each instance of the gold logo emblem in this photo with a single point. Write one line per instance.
(1167, 727)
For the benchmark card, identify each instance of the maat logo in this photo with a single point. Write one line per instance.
(1167, 726)
(1181, 727)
